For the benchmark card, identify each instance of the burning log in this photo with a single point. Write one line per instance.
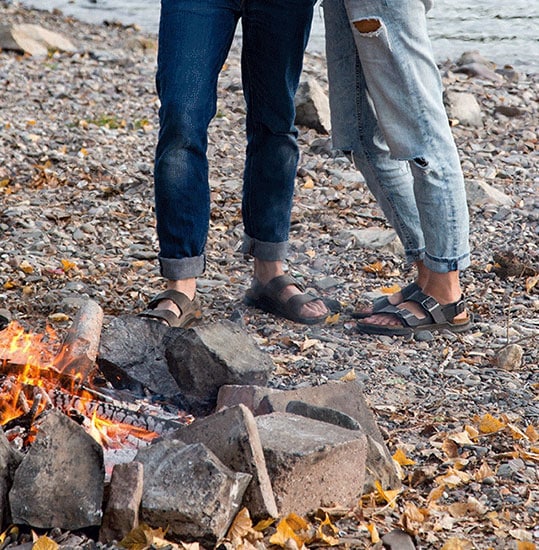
(115, 412)
(79, 349)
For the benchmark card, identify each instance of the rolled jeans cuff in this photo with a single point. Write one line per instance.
(265, 251)
(175, 269)
(445, 265)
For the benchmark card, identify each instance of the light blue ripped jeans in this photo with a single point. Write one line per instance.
(388, 114)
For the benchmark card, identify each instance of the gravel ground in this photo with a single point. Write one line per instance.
(77, 134)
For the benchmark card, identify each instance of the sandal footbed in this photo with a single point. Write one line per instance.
(383, 301)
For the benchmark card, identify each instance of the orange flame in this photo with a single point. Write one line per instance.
(27, 360)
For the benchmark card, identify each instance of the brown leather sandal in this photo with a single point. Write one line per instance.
(189, 309)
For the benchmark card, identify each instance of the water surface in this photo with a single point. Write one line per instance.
(504, 31)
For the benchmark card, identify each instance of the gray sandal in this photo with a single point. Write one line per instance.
(383, 301)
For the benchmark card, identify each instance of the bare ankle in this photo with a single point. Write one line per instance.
(265, 271)
(185, 286)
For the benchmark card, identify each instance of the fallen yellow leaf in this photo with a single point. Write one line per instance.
(241, 525)
(532, 434)
(483, 472)
(389, 495)
(462, 438)
(326, 533)
(26, 267)
(284, 533)
(390, 289)
(374, 533)
(263, 524)
(376, 267)
(67, 265)
(45, 543)
(457, 544)
(332, 319)
(488, 424)
(349, 376)
(400, 458)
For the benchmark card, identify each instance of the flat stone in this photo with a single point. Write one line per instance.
(204, 358)
(463, 106)
(132, 356)
(122, 510)
(312, 106)
(310, 465)
(344, 397)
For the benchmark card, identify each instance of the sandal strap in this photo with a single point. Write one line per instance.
(179, 298)
(383, 301)
(277, 284)
(160, 314)
(298, 300)
(434, 311)
(429, 305)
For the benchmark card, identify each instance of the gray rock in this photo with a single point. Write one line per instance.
(312, 106)
(310, 465)
(33, 40)
(132, 355)
(59, 483)
(480, 71)
(323, 414)
(374, 238)
(189, 491)
(122, 511)
(204, 358)
(480, 193)
(398, 540)
(463, 107)
(510, 357)
(232, 436)
(345, 397)
(10, 459)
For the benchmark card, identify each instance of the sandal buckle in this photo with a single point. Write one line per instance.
(429, 304)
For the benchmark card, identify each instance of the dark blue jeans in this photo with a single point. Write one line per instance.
(194, 40)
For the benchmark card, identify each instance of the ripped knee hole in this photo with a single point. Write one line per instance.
(367, 26)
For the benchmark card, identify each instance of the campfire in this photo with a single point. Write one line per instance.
(113, 410)
(39, 372)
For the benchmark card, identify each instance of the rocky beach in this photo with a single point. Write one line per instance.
(77, 135)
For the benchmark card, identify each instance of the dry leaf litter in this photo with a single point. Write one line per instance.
(461, 413)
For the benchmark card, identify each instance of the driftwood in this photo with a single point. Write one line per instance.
(79, 350)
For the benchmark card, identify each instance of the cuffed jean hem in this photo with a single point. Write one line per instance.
(265, 251)
(175, 269)
(414, 256)
(445, 265)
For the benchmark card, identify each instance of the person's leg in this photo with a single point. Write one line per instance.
(275, 34)
(405, 87)
(194, 40)
(355, 130)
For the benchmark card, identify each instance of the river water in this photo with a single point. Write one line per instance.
(504, 31)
